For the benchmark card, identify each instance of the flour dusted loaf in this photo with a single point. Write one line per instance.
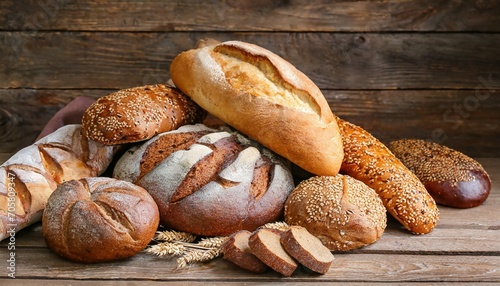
(451, 177)
(29, 177)
(99, 219)
(138, 113)
(265, 97)
(341, 211)
(209, 182)
(404, 196)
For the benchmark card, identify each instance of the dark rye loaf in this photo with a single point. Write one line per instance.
(209, 182)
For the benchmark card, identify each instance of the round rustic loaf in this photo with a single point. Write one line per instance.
(99, 219)
(451, 177)
(138, 113)
(341, 211)
(209, 182)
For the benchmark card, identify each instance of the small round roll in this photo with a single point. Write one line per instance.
(99, 219)
(341, 211)
(452, 178)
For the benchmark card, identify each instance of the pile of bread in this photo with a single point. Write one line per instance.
(164, 166)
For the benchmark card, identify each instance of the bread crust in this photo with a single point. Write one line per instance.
(342, 212)
(264, 97)
(404, 196)
(236, 250)
(451, 177)
(265, 244)
(35, 171)
(307, 249)
(138, 113)
(220, 183)
(99, 219)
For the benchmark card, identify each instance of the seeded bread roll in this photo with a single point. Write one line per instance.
(236, 250)
(265, 97)
(452, 178)
(307, 249)
(99, 219)
(265, 244)
(342, 212)
(138, 113)
(404, 196)
(209, 182)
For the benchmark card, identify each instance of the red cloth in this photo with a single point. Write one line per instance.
(70, 114)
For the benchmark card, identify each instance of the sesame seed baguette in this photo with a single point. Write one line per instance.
(404, 196)
(451, 177)
(138, 113)
(265, 244)
(236, 250)
(307, 249)
(29, 177)
(265, 97)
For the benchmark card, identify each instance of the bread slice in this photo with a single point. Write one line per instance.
(236, 250)
(265, 244)
(307, 249)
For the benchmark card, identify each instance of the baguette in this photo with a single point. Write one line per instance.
(403, 195)
(29, 177)
(265, 97)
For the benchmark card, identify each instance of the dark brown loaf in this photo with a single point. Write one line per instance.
(209, 182)
(99, 219)
(236, 250)
(404, 196)
(342, 212)
(265, 97)
(265, 244)
(307, 249)
(139, 113)
(452, 178)
(29, 177)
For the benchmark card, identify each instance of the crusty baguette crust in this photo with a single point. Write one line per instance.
(404, 196)
(264, 97)
(307, 249)
(260, 243)
(29, 177)
(242, 256)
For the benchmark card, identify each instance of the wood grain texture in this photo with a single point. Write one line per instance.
(331, 60)
(443, 116)
(251, 15)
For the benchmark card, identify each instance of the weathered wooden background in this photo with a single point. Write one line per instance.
(423, 69)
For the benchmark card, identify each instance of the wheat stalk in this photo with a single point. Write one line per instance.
(172, 235)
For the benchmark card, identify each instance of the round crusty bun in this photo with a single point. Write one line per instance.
(341, 211)
(265, 97)
(99, 219)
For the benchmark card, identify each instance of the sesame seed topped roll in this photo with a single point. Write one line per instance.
(138, 113)
(404, 196)
(451, 177)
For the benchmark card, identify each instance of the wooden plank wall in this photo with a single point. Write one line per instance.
(423, 69)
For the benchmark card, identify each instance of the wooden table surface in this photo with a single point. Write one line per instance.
(463, 249)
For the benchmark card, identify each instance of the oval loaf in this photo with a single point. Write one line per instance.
(265, 97)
